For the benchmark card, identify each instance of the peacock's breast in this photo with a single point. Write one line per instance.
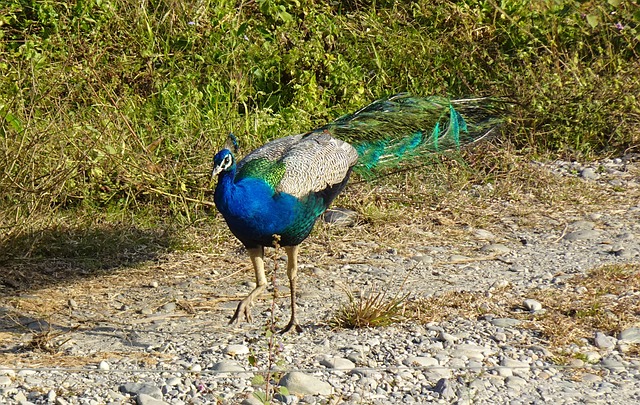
(254, 212)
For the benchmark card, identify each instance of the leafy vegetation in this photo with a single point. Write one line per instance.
(112, 109)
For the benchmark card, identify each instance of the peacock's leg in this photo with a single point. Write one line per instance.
(244, 307)
(292, 274)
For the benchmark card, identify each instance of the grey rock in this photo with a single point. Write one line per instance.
(141, 388)
(444, 388)
(5, 381)
(337, 363)
(251, 400)
(589, 173)
(515, 382)
(483, 234)
(301, 383)
(612, 364)
(340, 217)
(144, 399)
(235, 350)
(420, 361)
(532, 305)
(423, 259)
(495, 248)
(630, 335)
(602, 341)
(470, 351)
(505, 322)
(583, 234)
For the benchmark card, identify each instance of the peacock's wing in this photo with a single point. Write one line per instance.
(300, 164)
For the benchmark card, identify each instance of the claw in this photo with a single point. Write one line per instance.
(292, 324)
(244, 307)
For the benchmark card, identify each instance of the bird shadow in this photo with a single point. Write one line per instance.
(61, 255)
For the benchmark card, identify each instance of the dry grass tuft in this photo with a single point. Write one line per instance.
(371, 309)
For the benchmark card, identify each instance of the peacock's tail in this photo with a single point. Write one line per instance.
(389, 131)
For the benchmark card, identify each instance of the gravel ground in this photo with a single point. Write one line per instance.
(166, 339)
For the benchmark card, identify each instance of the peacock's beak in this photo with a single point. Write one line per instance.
(216, 171)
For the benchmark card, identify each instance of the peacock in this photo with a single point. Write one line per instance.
(275, 194)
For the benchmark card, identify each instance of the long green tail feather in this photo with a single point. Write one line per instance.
(400, 127)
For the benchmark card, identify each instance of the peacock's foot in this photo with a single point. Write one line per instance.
(244, 308)
(292, 325)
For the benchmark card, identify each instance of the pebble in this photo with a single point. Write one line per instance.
(301, 383)
(104, 365)
(340, 217)
(338, 363)
(135, 388)
(495, 248)
(630, 335)
(532, 305)
(505, 322)
(236, 350)
(144, 399)
(602, 341)
(444, 388)
(583, 234)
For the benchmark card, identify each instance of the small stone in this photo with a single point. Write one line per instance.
(470, 351)
(532, 305)
(251, 400)
(104, 365)
(495, 248)
(582, 235)
(229, 366)
(505, 322)
(515, 382)
(518, 368)
(141, 388)
(236, 350)
(588, 173)
(420, 361)
(301, 383)
(446, 337)
(337, 363)
(504, 371)
(592, 357)
(576, 363)
(591, 378)
(195, 368)
(444, 388)
(169, 307)
(20, 397)
(72, 303)
(144, 399)
(612, 364)
(422, 259)
(340, 217)
(602, 341)
(483, 234)
(154, 284)
(630, 335)
(5, 381)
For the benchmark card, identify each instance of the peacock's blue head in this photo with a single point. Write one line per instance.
(223, 161)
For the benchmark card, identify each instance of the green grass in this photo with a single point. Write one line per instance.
(111, 111)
